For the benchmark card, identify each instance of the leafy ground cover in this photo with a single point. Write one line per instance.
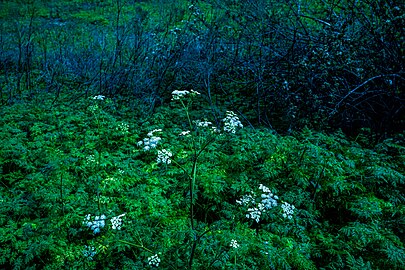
(91, 184)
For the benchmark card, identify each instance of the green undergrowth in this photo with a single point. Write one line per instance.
(66, 163)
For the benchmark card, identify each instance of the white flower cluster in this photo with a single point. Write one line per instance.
(264, 188)
(164, 156)
(150, 133)
(215, 130)
(234, 244)
(99, 97)
(288, 210)
(247, 199)
(91, 159)
(231, 122)
(123, 128)
(199, 123)
(89, 252)
(185, 133)
(194, 93)
(96, 224)
(154, 260)
(268, 201)
(151, 141)
(254, 213)
(116, 222)
(178, 94)
(109, 181)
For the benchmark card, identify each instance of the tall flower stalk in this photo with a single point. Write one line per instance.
(97, 110)
(180, 96)
(231, 123)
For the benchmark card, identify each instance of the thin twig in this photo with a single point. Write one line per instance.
(356, 88)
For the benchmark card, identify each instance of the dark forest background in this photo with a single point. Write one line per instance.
(281, 64)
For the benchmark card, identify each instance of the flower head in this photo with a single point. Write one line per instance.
(254, 213)
(247, 199)
(288, 210)
(154, 260)
(215, 130)
(184, 133)
(256, 208)
(178, 94)
(150, 133)
(269, 200)
(150, 142)
(194, 93)
(99, 97)
(96, 224)
(164, 156)
(202, 123)
(91, 159)
(123, 128)
(234, 244)
(231, 122)
(89, 252)
(116, 222)
(264, 188)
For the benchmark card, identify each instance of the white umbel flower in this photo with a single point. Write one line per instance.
(256, 208)
(150, 134)
(231, 122)
(234, 244)
(151, 142)
(247, 199)
(202, 123)
(89, 252)
(154, 260)
(96, 224)
(99, 97)
(184, 133)
(178, 94)
(254, 213)
(164, 156)
(116, 222)
(288, 210)
(264, 188)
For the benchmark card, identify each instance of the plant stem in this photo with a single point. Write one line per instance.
(61, 195)
(135, 245)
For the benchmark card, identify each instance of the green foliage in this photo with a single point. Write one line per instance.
(62, 161)
(136, 180)
(91, 18)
